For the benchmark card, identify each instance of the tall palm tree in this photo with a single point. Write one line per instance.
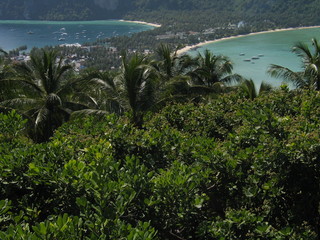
(137, 86)
(212, 70)
(44, 93)
(309, 76)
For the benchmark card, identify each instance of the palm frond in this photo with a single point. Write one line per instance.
(265, 87)
(88, 112)
(3, 52)
(302, 48)
(249, 89)
(41, 116)
(234, 78)
(21, 103)
(287, 75)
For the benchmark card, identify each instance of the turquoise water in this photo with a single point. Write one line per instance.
(43, 33)
(274, 46)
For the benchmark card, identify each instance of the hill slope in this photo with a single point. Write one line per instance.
(305, 12)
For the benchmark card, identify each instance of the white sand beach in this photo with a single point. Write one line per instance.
(141, 22)
(188, 48)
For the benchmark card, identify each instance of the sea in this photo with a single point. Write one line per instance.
(16, 33)
(252, 55)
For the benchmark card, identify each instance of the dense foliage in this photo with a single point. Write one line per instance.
(229, 169)
(163, 148)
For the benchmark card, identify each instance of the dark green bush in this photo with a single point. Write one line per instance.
(229, 169)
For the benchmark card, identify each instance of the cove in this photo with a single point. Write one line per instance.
(15, 33)
(262, 50)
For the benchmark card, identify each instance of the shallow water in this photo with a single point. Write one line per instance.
(274, 46)
(15, 33)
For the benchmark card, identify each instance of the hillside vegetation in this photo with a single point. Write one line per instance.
(161, 149)
(270, 10)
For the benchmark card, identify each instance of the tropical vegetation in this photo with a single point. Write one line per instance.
(309, 76)
(162, 148)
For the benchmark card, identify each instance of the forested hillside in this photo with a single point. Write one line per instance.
(269, 10)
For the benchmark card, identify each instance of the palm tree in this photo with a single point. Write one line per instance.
(137, 86)
(103, 89)
(249, 89)
(44, 94)
(174, 81)
(169, 64)
(309, 77)
(2, 52)
(213, 70)
(211, 74)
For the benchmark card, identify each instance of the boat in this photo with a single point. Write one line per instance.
(62, 29)
(30, 32)
(247, 60)
(61, 39)
(260, 55)
(242, 54)
(255, 58)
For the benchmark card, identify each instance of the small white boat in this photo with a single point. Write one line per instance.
(30, 32)
(61, 39)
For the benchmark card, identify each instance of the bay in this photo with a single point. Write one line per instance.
(15, 33)
(273, 47)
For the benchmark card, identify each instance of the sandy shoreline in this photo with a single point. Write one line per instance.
(190, 47)
(141, 22)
